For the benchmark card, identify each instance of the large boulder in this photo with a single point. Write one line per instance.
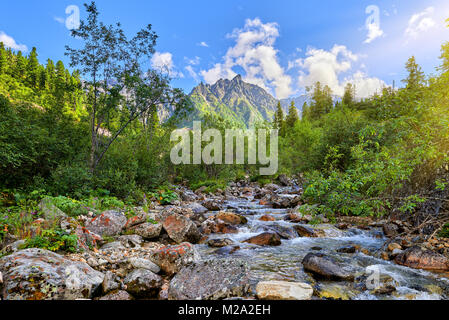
(109, 223)
(87, 239)
(147, 230)
(425, 259)
(325, 267)
(172, 258)
(37, 274)
(142, 283)
(181, 229)
(283, 290)
(210, 280)
(265, 239)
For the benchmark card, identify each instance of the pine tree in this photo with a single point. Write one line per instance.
(20, 66)
(292, 116)
(32, 70)
(322, 101)
(60, 85)
(278, 117)
(349, 95)
(305, 114)
(3, 59)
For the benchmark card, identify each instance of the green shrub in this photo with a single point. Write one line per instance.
(53, 240)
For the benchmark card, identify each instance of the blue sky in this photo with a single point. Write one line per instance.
(282, 45)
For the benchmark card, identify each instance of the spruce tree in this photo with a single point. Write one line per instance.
(292, 116)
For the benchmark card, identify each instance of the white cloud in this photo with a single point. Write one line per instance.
(328, 67)
(203, 44)
(374, 32)
(192, 73)
(254, 52)
(364, 85)
(193, 62)
(163, 62)
(9, 42)
(420, 22)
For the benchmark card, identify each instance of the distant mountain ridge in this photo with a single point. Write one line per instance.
(238, 102)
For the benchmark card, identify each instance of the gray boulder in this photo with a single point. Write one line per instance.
(37, 274)
(323, 266)
(109, 223)
(210, 280)
(49, 210)
(171, 259)
(143, 283)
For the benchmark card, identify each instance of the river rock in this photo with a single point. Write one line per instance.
(390, 229)
(141, 263)
(212, 205)
(335, 291)
(197, 208)
(265, 239)
(308, 232)
(131, 241)
(187, 195)
(110, 282)
(425, 259)
(231, 218)
(348, 249)
(392, 246)
(285, 232)
(37, 274)
(272, 187)
(211, 280)
(172, 258)
(143, 283)
(119, 295)
(147, 230)
(322, 266)
(267, 218)
(283, 290)
(109, 223)
(211, 226)
(181, 229)
(284, 180)
(219, 243)
(285, 201)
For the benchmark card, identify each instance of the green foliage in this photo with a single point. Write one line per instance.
(53, 240)
(211, 185)
(165, 196)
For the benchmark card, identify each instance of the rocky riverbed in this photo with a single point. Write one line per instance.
(245, 242)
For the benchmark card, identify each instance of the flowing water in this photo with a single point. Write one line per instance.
(284, 262)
